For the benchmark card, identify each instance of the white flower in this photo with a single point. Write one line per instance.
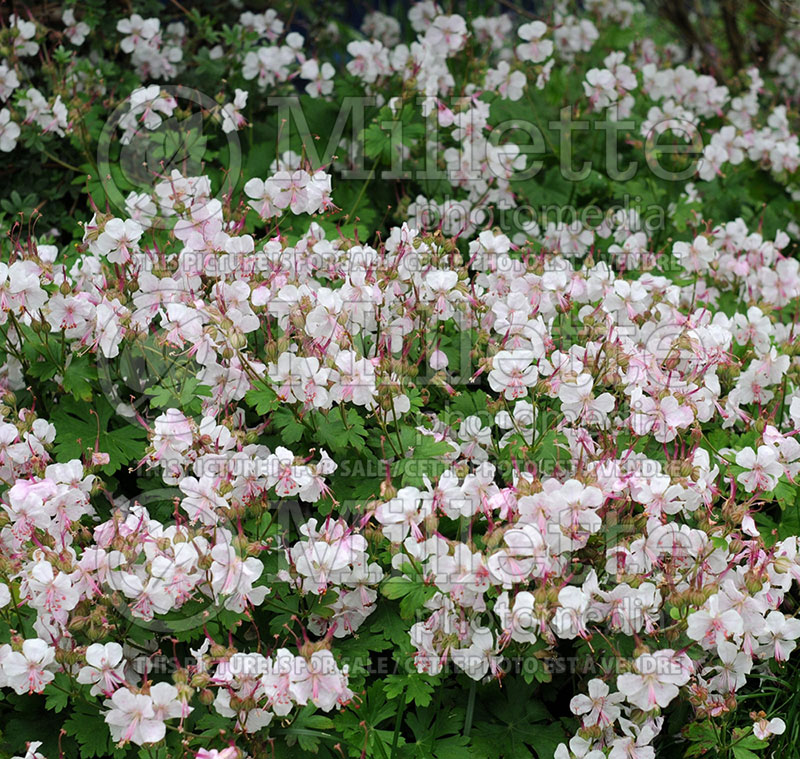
(712, 625)
(9, 131)
(138, 30)
(579, 403)
(513, 372)
(403, 514)
(32, 752)
(102, 670)
(598, 708)
(26, 672)
(447, 32)
(763, 729)
(75, 31)
(319, 680)
(732, 673)
(780, 635)
(655, 680)
(763, 467)
(479, 657)
(535, 49)
(232, 118)
(320, 78)
(131, 718)
(119, 240)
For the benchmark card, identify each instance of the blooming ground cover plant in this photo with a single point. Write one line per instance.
(415, 385)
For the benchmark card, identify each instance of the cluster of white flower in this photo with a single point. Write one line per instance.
(156, 54)
(299, 191)
(611, 85)
(253, 688)
(599, 356)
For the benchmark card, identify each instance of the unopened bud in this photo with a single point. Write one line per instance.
(206, 697)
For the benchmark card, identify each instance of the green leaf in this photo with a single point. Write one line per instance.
(720, 543)
(263, 399)
(211, 724)
(388, 622)
(397, 587)
(452, 747)
(307, 729)
(549, 448)
(785, 493)
(79, 427)
(516, 729)
(160, 397)
(417, 688)
(334, 434)
(57, 693)
(289, 428)
(378, 142)
(89, 729)
(78, 378)
(702, 736)
(750, 742)
(412, 594)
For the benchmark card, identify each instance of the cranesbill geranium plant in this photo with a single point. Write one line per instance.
(474, 434)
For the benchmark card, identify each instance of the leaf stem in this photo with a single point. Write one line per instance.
(470, 709)
(398, 724)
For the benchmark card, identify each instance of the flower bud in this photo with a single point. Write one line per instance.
(206, 697)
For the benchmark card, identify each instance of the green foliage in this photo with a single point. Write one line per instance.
(83, 428)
